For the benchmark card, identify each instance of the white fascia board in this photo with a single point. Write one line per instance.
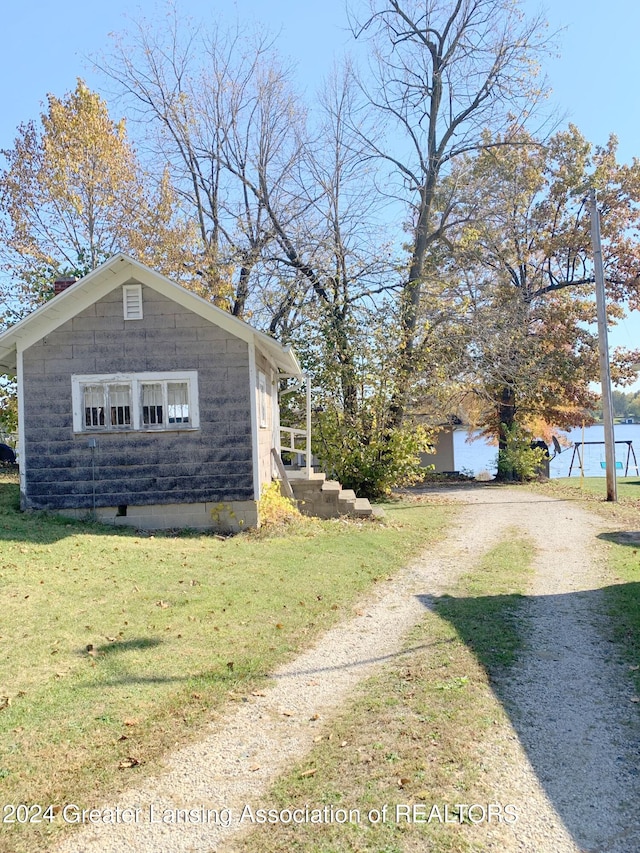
(253, 399)
(283, 357)
(115, 272)
(65, 306)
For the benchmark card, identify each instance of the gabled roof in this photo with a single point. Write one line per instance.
(115, 272)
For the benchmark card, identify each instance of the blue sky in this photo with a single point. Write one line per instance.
(594, 80)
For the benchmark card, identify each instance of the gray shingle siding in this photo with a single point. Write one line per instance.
(211, 464)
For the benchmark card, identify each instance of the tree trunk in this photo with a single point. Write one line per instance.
(506, 421)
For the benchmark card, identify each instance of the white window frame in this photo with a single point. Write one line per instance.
(262, 400)
(135, 381)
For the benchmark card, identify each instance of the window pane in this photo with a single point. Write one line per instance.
(93, 405)
(152, 404)
(120, 405)
(178, 402)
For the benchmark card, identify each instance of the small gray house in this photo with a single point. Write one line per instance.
(144, 404)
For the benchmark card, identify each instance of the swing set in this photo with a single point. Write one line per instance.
(619, 465)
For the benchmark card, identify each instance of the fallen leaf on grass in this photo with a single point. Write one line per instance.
(131, 722)
(254, 767)
(5, 701)
(162, 604)
(403, 781)
(308, 773)
(315, 717)
(258, 693)
(130, 761)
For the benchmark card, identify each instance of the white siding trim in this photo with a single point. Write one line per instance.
(22, 457)
(255, 444)
(275, 421)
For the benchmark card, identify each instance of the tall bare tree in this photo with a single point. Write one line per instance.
(219, 109)
(285, 211)
(441, 73)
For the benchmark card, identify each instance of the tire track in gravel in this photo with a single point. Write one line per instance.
(570, 754)
(250, 745)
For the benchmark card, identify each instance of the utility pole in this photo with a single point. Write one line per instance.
(603, 349)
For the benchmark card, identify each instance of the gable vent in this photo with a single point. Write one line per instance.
(132, 301)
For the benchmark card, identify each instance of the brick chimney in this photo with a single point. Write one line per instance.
(62, 284)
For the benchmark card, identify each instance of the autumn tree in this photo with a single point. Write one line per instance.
(526, 264)
(440, 73)
(73, 193)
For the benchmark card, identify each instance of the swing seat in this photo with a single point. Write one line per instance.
(603, 464)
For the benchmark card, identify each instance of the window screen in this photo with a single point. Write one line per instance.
(93, 406)
(152, 404)
(178, 402)
(120, 405)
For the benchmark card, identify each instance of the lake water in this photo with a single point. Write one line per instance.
(478, 455)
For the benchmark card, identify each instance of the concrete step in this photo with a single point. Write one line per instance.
(300, 474)
(362, 508)
(305, 488)
(327, 499)
(346, 501)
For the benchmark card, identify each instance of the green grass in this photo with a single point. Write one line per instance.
(489, 616)
(118, 646)
(623, 598)
(627, 487)
(413, 733)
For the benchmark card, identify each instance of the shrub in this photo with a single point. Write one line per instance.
(367, 458)
(519, 460)
(274, 508)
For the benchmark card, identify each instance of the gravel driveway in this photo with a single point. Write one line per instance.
(567, 755)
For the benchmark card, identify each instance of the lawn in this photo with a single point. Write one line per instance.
(117, 646)
(627, 487)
